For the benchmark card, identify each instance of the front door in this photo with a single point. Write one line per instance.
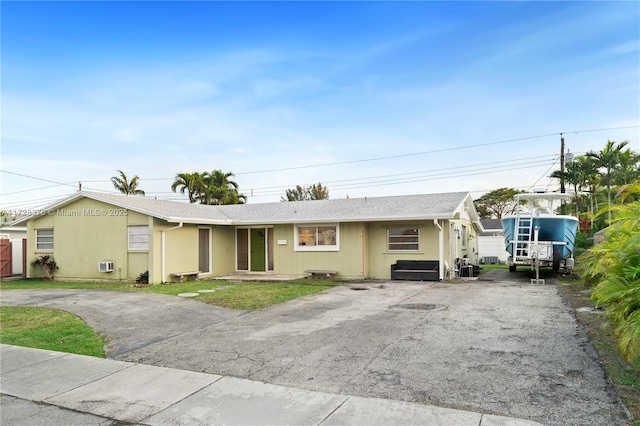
(258, 244)
(254, 249)
(204, 265)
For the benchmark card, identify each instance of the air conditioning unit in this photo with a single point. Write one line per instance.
(105, 266)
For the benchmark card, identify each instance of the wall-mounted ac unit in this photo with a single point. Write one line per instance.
(105, 266)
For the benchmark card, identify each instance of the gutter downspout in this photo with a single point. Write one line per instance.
(440, 249)
(162, 250)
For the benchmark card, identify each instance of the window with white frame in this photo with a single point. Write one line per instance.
(463, 235)
(403, 239)
(44, 239)
(317, 237)
(138, 237)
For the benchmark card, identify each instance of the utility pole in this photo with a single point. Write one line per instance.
(562, 189)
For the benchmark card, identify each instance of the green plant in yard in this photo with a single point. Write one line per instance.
(143, 278)
(48, 265)
(246, 296)
(614, 267)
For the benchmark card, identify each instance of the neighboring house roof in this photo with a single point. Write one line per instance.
(491, 224)
(14, 229)
(402, 207)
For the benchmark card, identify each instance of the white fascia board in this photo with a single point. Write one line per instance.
(343, 220)
(198, 221)
(43, 211)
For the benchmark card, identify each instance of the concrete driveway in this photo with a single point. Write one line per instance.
(500, 346)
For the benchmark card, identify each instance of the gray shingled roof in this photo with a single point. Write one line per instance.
(431, 206)
(402, 207)
(491, 224)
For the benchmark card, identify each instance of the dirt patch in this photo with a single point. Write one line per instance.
(625, 381)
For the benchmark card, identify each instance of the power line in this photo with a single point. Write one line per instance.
(34, 177)
(391, 157)
(406, 180)
(433, 151)
(466, 166)
(403, 177)
(366, 184)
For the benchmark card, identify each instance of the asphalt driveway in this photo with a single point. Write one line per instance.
(504, 347)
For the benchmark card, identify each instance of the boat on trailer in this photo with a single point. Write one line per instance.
(537, 237)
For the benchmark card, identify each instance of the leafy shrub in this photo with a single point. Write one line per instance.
(614, 267)
(584, 241)
(143, 278)
(48, 265)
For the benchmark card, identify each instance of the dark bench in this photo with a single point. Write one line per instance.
(416, 270)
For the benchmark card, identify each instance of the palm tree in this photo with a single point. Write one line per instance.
(573, 174)
(615, 266)
(608, 159)
(127, 187)
(629, 168)
(220, 189)
(192, 183)
(592, 181)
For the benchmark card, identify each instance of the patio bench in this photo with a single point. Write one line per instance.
(315, 273)
(416, 270)
(179, 277)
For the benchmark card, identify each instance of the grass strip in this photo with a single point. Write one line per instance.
(625, 380)
(232, 295)
(51, 329)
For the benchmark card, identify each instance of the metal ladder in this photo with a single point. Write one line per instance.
(523, 224)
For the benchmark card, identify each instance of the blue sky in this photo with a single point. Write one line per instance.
(369, 98)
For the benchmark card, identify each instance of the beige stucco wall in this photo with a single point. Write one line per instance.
(347, 261)
(223, 250)
(87, 232)
(381, 259)
(83, 238)
(363, 247)
(461, 248)
(182, 250)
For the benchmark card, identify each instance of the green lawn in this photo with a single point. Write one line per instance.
(245, 296)
(488, 267)
(45, 328)
(61, 331)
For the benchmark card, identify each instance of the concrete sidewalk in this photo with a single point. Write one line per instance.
(45, 387)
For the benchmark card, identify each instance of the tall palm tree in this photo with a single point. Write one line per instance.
(127, 187)
(628, 169)
(220, 189)
(192, 183)
(609, 160)
(573, 174)
(592, 181)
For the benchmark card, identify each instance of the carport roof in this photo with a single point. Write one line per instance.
(391, 208)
